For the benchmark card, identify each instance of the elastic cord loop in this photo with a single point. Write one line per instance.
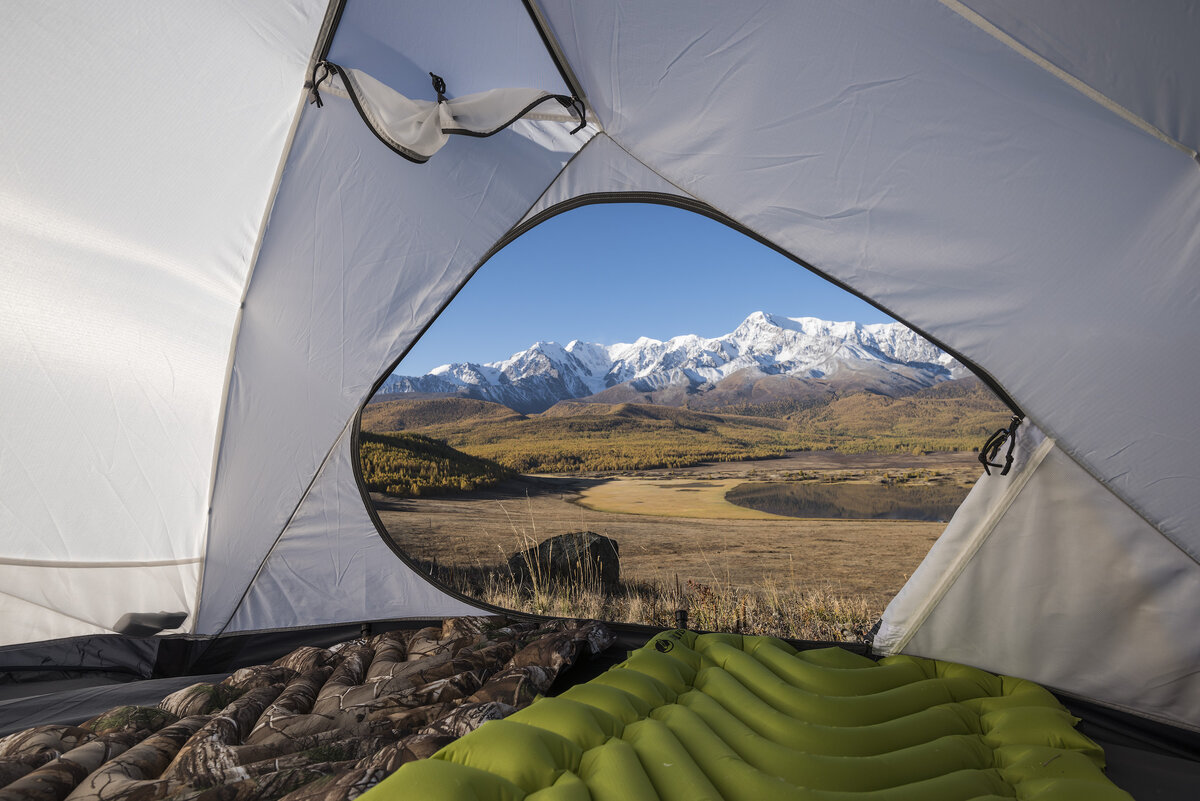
(315, 83)
(577, 107)
(439, 86)
(995, 442)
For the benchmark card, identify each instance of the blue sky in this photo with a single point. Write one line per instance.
(611, 273)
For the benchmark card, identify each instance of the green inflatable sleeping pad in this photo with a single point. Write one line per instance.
(691, 717)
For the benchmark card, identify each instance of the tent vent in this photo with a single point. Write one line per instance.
(416, 129)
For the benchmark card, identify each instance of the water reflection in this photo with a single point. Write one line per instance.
(845, 501)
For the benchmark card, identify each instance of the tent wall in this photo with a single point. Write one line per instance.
(331, 565)
(362, 250)
(1047, 575)
(140, 147)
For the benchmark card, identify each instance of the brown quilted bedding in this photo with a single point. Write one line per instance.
(316, 725)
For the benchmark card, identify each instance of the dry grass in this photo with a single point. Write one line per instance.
(799, 578)
(774, 608)
(857, 559)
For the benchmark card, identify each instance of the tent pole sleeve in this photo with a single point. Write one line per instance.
(332, 15)
(556, 53)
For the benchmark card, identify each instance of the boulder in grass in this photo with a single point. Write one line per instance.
(582, 558)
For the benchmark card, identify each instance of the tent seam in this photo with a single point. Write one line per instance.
(324, 37)
(284, 528)
(1085, 89)
(627, 152)
(552, 45)
(518, 230)
(75, 565)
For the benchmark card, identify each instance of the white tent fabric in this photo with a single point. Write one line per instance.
(331, 565)
(1099, 592)
(136, 183)
(1148, 63)
(603, 170)
(404, 237)
(204, 277)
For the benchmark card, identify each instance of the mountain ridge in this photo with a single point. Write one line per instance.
(767, 358)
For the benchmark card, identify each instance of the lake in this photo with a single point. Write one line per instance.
(850, 501)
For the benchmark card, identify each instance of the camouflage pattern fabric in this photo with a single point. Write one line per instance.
(25, 751)
(319, 724)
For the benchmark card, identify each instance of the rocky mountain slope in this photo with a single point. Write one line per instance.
(767, 358)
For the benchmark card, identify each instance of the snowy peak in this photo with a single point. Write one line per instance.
(803, 348)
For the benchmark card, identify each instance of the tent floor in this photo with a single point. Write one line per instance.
(74, 705)
(1150, 776)
(1154, 763)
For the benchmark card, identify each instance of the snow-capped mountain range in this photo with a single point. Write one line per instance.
(767, 357)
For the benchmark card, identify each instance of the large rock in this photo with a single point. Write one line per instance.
(580, 557)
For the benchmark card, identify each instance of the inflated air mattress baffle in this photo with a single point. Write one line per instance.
(720, 716)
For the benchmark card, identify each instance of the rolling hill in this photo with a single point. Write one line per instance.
(400, 413)
(588, 436)
(407, 465)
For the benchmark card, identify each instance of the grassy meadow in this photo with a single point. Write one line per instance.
(774, 609)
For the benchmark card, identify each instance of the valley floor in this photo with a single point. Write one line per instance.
(859, 559)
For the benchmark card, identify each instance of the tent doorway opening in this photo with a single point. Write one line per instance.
(633, 410)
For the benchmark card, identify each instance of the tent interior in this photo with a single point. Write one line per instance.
(224, 226)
